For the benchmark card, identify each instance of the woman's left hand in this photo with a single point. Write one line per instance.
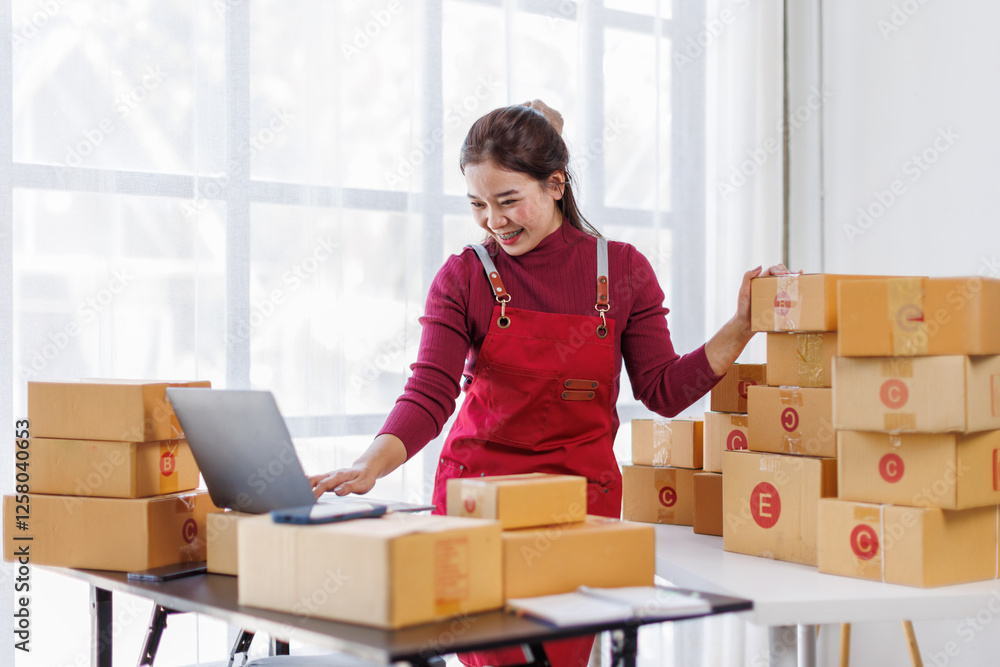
(743, 302)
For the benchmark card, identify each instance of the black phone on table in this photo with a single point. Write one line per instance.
(328, 513)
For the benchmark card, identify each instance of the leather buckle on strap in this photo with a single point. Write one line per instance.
(585, 385)
(578, 395)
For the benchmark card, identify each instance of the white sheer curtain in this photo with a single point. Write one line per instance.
(259, 194)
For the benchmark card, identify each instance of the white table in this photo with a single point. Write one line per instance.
(791, 594)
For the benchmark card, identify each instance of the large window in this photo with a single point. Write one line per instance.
(259, 192)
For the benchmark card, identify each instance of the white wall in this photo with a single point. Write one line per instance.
(908, 77)
(915, 101)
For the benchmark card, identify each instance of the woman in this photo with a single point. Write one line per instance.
(541, 317)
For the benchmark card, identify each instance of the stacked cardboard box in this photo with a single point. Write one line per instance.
(726, 429)
(109, 479)
(550, 545)
(659, 486)
(917, 412)
(772, 491)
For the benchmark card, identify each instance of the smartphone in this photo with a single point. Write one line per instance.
(168, 572)
(328, 513)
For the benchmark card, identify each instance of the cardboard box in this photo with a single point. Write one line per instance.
(668, 442)
(919, 316)
(730, 395)
(117, 410)
(111, 469)
(945, 470)
(917, 395)
(770, 502)
(221, 541)
(658, 495)
(108, 533)
(792, 420)
(601, 552)
(708, 503)
(806, 302)
(724, 431)
(801, 359)
(395, 571)
(907, 545)
(520, 501)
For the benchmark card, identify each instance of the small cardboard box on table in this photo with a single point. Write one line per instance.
(391, 572)
(770, 503)
(107, 533)
(519, 501)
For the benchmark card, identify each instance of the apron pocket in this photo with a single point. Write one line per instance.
(519, 401)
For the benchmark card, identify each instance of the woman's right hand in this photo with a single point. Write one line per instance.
(356, 479)
(384, 455)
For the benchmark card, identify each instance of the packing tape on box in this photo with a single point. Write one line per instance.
(810, 359)
(793, 444)
(897, 368)
(868, 515)
(787, 307)
(662, 440)
(665, 490)
(739, 420)
(473, 498)
(896, 422)
(906, 313)
(790, 396)
(168, 467)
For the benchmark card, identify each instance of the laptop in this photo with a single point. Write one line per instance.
(242, 446)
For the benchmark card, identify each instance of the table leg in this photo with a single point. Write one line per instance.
(278, 647)
(806, 636)
(624, 646)
(101, 619)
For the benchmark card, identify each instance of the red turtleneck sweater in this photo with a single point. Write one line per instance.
(558, 276)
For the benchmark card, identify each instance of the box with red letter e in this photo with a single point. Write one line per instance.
(658, 495)
(724, 431)
(770, 501)
(913, 546)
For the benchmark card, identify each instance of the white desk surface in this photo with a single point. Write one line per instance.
(792, 594)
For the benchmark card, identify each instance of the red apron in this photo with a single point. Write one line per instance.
(540, 401)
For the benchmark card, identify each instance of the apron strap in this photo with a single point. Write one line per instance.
(491, 272)
(602, 273)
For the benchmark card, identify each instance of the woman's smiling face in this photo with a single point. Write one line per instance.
(512, 207)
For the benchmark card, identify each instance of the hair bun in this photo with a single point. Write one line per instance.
(554, 117)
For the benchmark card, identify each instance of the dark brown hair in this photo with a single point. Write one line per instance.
(519, 138)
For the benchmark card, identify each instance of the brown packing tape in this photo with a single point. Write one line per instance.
(665, 491)
(452, 572)
(790, 396)
(900, 421)
(897, 368)
(793, 444)
(739, 420)
(662, 440)
(865, 513)
(906, 313)
(169, 476)
(787, 306)
(810, 359)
